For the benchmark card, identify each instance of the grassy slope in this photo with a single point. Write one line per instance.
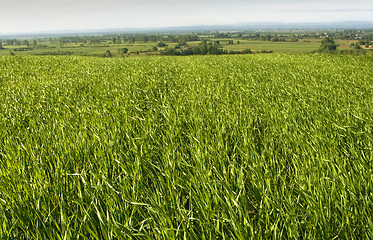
(196, 147)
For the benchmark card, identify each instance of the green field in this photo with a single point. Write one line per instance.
(289, 47)
(97, 50)
(47, 47)
(263, 146)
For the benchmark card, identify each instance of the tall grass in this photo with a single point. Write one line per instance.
(202, 147)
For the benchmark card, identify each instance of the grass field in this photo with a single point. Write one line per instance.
(289, 47)
(259, 146)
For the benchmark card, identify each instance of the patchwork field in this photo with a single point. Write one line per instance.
(147, 49)
(203, 147)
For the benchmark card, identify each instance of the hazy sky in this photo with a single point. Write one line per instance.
(46, 15)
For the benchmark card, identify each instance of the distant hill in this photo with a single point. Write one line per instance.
(201, 28)
(277, 26)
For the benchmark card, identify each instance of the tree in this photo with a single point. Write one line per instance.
(328, 44)
(108, 54)
(1, 45)
(162, 44)
(122, 51)
(355, 46)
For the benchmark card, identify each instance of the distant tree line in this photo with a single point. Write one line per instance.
(204, 48)
(127, 38)
(292, 36)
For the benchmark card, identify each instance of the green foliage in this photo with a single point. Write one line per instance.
(204, 48)
(201, 147)
(123, 51)
(266, 37)
(162, 44)
(246, 51)
(355, 46)
(328, 45)
(108, 54)
(354, 52)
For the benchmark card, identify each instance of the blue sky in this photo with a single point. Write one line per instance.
(49, 15)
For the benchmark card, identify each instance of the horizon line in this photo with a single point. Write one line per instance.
(198, 27)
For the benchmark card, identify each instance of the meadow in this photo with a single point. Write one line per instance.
(203, 147)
